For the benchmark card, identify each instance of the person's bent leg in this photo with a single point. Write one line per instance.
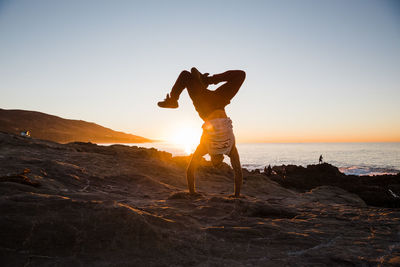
(181, 83)
(233, 80)
(194, 163)
(171, 100)
(186, 80)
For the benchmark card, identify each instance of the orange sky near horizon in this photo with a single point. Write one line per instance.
(311, 134)
(324, 139)
(362, 135)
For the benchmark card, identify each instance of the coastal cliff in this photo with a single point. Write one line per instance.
(89, 205)
(53, 128)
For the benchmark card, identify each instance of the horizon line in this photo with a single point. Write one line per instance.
(289, 142)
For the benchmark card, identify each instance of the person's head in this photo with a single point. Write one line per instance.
(217, 159)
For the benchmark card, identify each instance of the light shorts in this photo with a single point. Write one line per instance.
(218, 136)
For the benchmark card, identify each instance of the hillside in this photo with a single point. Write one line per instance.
(53, 128)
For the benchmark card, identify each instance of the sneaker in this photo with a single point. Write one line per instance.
(168, 102)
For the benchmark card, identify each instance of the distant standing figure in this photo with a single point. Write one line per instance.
(321, 159)
(217, 138)
(268, 171)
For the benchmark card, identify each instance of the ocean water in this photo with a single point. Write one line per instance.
(350, 158)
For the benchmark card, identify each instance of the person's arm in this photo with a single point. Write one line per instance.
(194, 163)
(231, 76)
(237, 169)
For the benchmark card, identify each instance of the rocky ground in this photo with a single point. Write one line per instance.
(80, 204)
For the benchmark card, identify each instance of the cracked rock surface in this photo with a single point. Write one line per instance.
(80, 204)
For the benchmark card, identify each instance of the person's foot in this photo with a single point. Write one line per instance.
(168, 102)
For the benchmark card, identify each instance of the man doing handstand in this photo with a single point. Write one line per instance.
(217, 138)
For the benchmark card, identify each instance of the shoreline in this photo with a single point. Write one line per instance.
(251, 162)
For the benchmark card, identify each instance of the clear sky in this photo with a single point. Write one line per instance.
(316, 70)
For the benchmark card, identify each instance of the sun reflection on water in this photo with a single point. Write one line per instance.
(187, 138)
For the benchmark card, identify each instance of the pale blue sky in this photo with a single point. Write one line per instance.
(316, 70)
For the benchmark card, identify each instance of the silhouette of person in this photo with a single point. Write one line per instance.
(320, 159)
(217, 138)
(283, 172)
(268, 171)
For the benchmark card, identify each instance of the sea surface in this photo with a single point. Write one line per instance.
(350, 158)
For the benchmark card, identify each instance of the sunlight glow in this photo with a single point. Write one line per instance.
(187, 137)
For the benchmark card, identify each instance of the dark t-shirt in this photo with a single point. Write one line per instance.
(208, 101)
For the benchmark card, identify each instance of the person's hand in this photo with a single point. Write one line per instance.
(205, 78)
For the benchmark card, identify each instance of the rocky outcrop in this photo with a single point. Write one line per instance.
(380, 190)
(89, 205)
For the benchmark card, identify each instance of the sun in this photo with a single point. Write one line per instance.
(187, 138)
